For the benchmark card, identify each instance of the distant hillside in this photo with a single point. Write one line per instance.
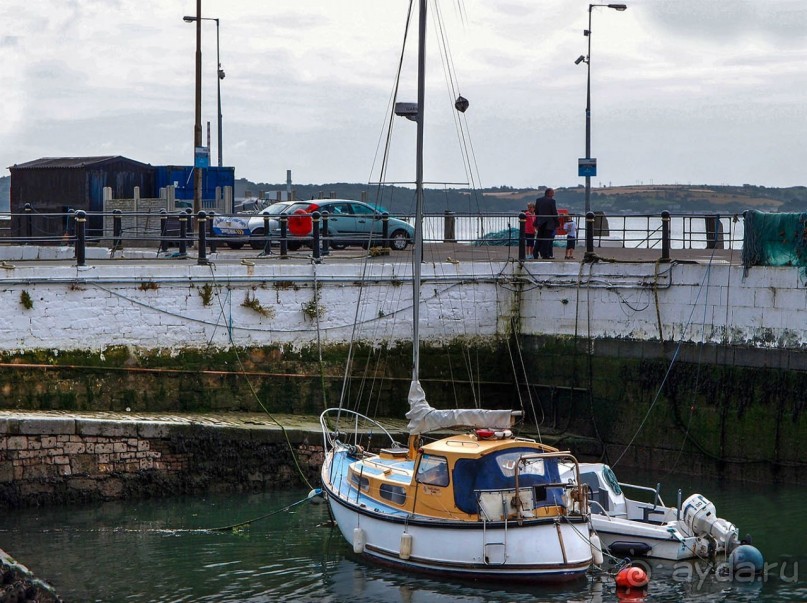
(617, 199)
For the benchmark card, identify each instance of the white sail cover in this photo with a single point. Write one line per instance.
(423, 418)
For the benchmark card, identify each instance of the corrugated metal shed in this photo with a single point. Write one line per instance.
(58, 184)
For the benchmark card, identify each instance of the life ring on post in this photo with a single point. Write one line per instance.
(300, 222)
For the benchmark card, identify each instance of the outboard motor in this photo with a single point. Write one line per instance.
(702, 520)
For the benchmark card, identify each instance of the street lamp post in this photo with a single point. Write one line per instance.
(219, 72)
(587, 60)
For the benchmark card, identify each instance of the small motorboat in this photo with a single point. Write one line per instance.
(632, 528)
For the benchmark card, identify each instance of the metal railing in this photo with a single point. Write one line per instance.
(182, 230)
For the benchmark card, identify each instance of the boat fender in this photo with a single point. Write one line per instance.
(596, 550)
(316, 497)
(629, 548)
(358, 541)
(406, 546)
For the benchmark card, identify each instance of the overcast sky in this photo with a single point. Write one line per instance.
(683, 91)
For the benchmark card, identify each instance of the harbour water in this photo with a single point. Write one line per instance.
(165, 550)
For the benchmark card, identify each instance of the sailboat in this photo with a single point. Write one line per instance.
(479, 503)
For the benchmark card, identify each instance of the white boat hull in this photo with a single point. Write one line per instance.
(545, 550)
(634, 539)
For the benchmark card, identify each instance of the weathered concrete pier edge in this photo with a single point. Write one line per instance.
(596, 338)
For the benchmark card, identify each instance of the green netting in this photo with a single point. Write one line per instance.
(775, 239)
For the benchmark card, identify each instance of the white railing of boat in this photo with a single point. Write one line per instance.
(656, 492)
(331, 435)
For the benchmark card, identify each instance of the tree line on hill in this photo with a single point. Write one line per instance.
(639, 199)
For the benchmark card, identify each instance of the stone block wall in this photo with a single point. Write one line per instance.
(66, 459)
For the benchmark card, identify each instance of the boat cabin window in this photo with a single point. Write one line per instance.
(394, 494)
(359, 482)
(507, 463)
(433, 470)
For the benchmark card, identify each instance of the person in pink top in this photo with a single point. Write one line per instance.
(529, 228)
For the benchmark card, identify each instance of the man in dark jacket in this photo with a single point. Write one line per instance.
(546, 221)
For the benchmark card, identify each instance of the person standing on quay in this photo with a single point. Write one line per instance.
(529, 228)
(546, 221)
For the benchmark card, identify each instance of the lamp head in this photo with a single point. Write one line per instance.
(619, 7)
(188, 19)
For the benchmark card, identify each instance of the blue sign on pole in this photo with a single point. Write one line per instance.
(586, 166)
(201, 158)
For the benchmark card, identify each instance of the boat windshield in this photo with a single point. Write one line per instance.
(496, 471)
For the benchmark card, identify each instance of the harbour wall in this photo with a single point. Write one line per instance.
(70, 458)
(697, 365)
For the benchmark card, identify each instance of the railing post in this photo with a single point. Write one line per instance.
(211, 235)
(449, 227)
(267, 244)
(117, 230)
(665, 236)
(588, 256)
(385, 231)
(29, 224)
(183, 231)
(284, 243)
(81, 238)
(201, 257)
(522, 243)
(324, 232)
(315, 218)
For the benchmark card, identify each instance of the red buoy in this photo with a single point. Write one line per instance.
(631, 577)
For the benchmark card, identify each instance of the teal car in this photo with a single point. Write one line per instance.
(349, 223)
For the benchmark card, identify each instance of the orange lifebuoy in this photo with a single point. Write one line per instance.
(300, 222)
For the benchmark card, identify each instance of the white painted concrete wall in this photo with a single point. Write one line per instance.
(158, 305)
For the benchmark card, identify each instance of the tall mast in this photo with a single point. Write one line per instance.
(417, 254)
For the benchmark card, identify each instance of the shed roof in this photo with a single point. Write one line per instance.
(71, 162)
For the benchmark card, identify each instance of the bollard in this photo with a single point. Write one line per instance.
(522, 238)
(665, 236)
(449, 228)
(81, 240)
(385, 243)
(588, 256)
(163, 231)
(315, 218)
(201, 258)
(29, 224)
(267, 245)
(326, 244)
(189, 228)
(117, 230)
(284, 244)
(183, 230)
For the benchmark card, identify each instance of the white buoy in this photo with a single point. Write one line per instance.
(406, 546)
(358, 541)
(596, 550)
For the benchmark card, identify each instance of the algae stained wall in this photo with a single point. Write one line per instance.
(694, 415)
